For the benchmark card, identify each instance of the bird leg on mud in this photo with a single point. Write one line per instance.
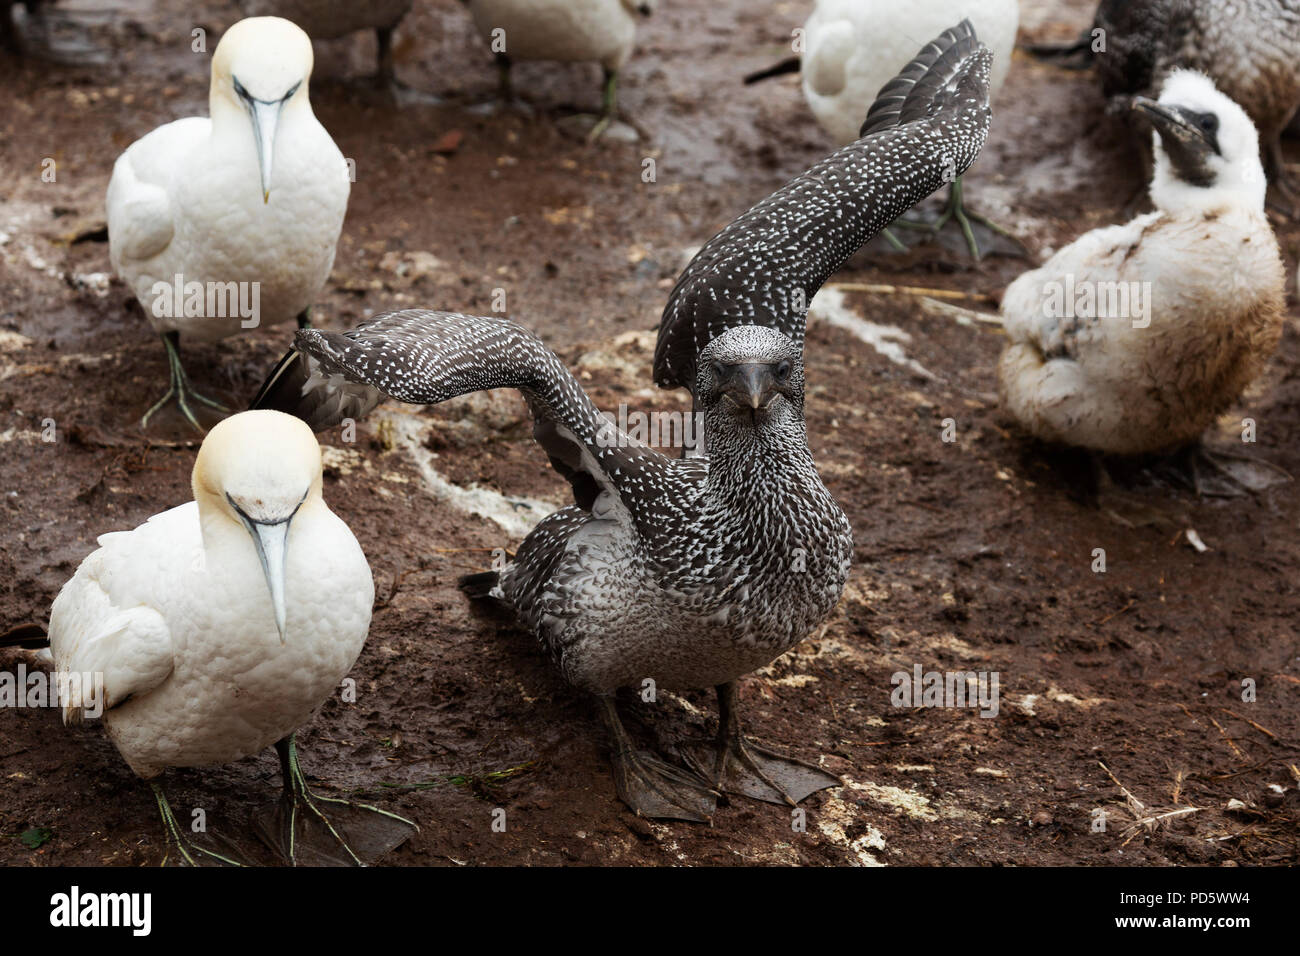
(183, 846)
(179, 388)
(609, 106)
(956, 211)
(279, 828)
(649, 786)
(741, 766)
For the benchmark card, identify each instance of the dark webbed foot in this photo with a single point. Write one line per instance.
(744, 767)
(1226, 474)
(299, 829)
(649, 786)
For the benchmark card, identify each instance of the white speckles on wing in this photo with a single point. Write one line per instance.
(764, 268)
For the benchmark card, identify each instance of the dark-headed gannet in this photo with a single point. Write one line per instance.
(1250, 49)
(685, 572)
(1133, 338)
(230, 222)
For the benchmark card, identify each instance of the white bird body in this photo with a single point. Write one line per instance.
(177, 617)
(184, 200)
(330, 19)
(1207, 266)
(852, 48)
(599, 31)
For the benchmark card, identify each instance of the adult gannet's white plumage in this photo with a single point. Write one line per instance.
(596, 31)
(330, 19)
(255, 193)
(219, 626)
(852, 48)
(1213, 282)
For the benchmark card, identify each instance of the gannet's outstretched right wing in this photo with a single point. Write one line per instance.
(424, 357)
(926, 127)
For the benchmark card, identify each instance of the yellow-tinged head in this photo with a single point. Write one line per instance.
(260, 469)
(262, 66)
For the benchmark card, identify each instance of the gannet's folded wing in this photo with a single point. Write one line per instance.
(104, 654)
(926, 127)
(141, 218)
(424, 357)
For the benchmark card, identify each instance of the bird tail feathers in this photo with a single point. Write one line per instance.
(790, 64)
(27, 636)
(482, 586)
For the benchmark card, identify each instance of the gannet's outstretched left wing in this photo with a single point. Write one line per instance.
(926, 127)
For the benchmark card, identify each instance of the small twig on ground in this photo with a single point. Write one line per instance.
(878, 288)
(1115, 614)
(1235, 749)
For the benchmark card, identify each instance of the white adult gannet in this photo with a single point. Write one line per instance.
(1131, 339)
(219, 626)
(229, 222)
(330, 19)
(852, 48)
(599, 31)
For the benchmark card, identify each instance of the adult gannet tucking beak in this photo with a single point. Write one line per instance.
(230, 222)
(217, 628)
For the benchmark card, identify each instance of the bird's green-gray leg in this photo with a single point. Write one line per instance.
(608, 107)
(956, 211)
(179, 389)
(304, 318)
(297, 797)
(744, 767)
(174, 832)
(650, 787)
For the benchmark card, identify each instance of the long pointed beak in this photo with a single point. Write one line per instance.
(272, 542)
(265, 116)
(752, 385)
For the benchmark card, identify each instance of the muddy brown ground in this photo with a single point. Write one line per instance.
(971, 555)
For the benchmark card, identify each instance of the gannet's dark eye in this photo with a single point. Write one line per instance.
(719, 370)
(783, 371)
(239, 89)
(1208, 122)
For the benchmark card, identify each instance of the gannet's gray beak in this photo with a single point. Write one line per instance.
(1188, 137)
(750, 385)
(265, 116)
(272, 542)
